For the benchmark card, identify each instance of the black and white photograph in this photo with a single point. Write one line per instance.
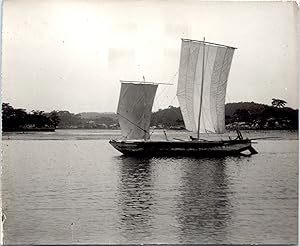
(149, 122)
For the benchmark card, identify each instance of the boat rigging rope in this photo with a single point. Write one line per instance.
(132, 123)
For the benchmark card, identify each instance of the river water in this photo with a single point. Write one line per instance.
(71, 186)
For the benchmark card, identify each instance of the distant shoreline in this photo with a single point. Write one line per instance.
(229, 129)
(30, 130)
(106, 135)
(242, 116)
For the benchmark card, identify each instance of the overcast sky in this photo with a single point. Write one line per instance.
(70, 55)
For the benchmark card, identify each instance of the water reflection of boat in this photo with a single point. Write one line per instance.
(202, 80)
(203, 203)
(190, 203)
(135, 198)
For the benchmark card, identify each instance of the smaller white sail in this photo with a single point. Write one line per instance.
(134, 109)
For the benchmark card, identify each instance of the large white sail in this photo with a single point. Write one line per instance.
(216, 66)
(134, 109)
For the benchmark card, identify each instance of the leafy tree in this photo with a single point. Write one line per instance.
(278, 103)
(8, 115)
(19, 119)
(13, 118)
(39, 119)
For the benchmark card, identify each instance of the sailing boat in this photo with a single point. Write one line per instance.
(202, 80)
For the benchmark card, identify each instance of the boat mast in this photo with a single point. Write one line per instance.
(201, 94)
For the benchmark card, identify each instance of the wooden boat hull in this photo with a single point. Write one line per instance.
(183, 148)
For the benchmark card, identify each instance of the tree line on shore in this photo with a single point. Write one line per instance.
(18, 119)
(242, 115)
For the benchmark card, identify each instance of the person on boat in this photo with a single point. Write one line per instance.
(192, 138)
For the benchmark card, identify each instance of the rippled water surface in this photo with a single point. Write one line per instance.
(84, 191)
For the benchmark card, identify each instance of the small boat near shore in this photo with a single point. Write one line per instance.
(201, 90)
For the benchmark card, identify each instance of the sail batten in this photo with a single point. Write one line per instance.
(211, 89)
(134, 109)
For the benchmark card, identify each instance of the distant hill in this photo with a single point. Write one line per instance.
(251, 115)
(87, 120)
(96, 115)
(252, 107)
(248, 115)
(243, 115)
(169, 117)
